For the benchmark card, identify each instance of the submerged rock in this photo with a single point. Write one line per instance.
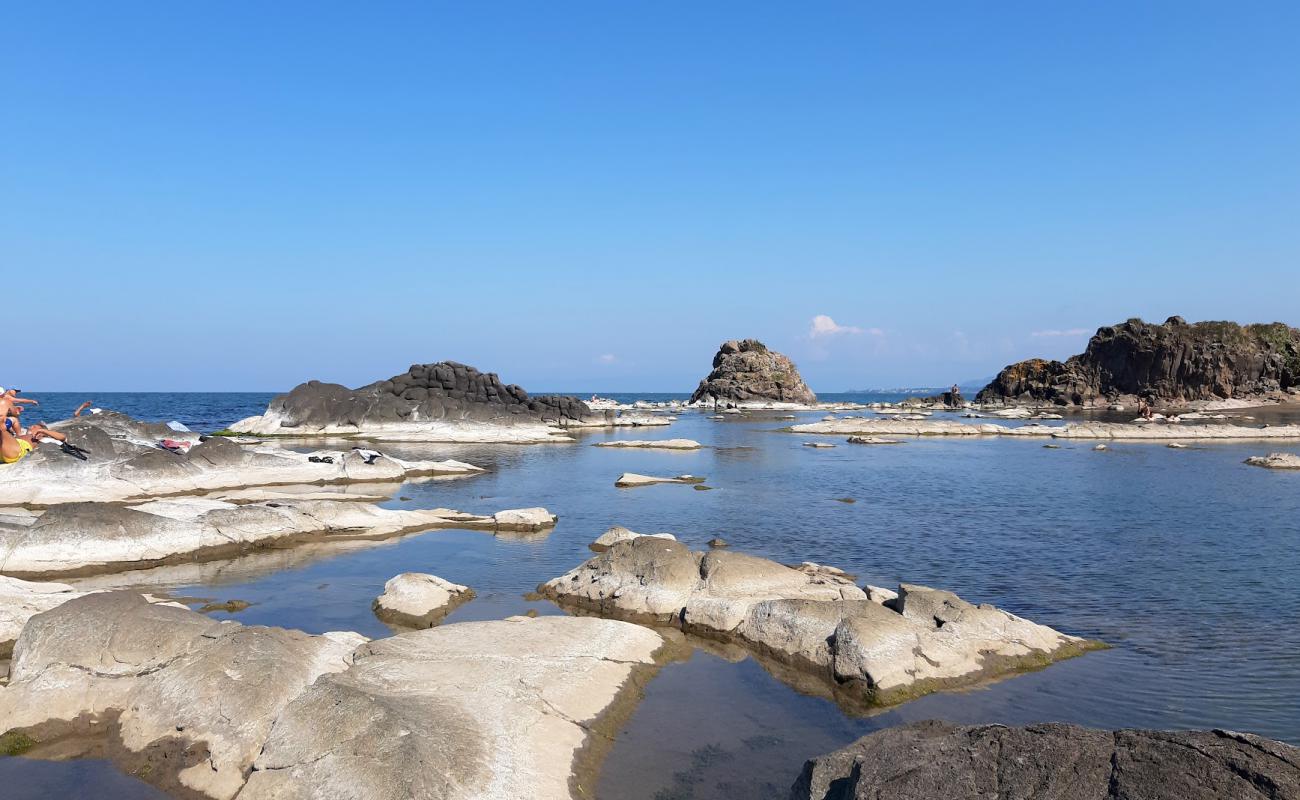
(123, 460)
(81, 538)
(930, 760)
(630, 479)
(659, 444)
(1275, 461)
(617, 534)
(872, 440)
(1172, 362)
(813, 618)
(218, 709)
(746, 371)
(419, 600)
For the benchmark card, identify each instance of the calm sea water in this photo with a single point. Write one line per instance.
(1186, 561)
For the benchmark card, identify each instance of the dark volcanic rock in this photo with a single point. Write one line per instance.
(1170, 362)
(930, 760)
(746, 371)
(443, 391)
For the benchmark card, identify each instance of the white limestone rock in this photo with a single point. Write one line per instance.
(419, 600)
(813, 618)
(631, 479)
(617, 534)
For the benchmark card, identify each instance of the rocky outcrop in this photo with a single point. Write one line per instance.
(21, 600)
(928, 760)
(122, 459)
(1169, 363)
(617, 534)
(813, 618)
(747, 372)
(83, 538)
(1275, 461)
(217, 709)
(446, 401)
(419, 600)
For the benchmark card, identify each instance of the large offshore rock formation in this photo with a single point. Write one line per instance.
(424, 395)
(746, 371)
(1172, 362)
(927, 760)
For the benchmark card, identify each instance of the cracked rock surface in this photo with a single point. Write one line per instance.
(472, 710)
(80, 538)
(814, 618)
(928, 760)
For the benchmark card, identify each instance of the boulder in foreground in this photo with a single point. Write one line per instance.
(932, 760)
(746, 372)
(501, 709)
(814, 618)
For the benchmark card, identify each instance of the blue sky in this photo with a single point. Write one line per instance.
(593, 195)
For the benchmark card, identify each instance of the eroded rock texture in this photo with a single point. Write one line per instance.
(1174, 361)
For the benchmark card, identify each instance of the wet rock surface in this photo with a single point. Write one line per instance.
(745, 371)
(1171, 362)
(1275, 461)
(813, 618)
(928, 760)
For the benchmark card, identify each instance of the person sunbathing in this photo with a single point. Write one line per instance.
(16, 443)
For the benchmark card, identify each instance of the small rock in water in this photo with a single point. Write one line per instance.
(1052, 446)
(717, 541)
(230, 606)
(818, 444)
(699, 487)
(1100, 447)
(845, 500)
(1177, 446)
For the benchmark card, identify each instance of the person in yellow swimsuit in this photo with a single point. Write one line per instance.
(15, 442)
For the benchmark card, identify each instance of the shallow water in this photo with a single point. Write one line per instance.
(1186, 561)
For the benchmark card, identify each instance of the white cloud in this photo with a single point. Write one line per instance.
(1052, 333)
(608, 358)
(823, 326)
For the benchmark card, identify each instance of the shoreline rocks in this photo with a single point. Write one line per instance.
(745, 371)
(1065, 762)
(86, 538)
(1171, 362)
(419, 600)
(508, 708)
(125, 462)
(870, 428)
(814, 619)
